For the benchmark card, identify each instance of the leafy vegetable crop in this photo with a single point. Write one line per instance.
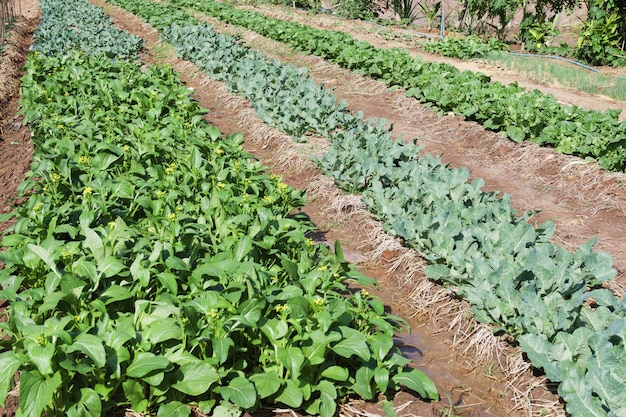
(467, 47)
(83, 28)
(514, 277)
(156, 266)
(509, 109)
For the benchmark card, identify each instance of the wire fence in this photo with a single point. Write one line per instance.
(8, 10)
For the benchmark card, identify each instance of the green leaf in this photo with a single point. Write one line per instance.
(47, 257)
(606, 386)
(116, 293)
(339, 252)
(41, 356)
(174, 263)
(388, 409)
(328, 397)
(243, 247)
(168, 281)
(250, 312)
(86, 269)
(316, 352)
(380, 345)
(91, 346)
(197, 378)
(110, 266)
(291, 395)
(226, 409)
(363, 383)
(146, 363)
(381, 378)
(134, 392)
(162, 330)
(292, 359)
(89, 404)
(139, 273)
(437, 272)
(36, 392)
(9, 364)
(196, 159)
(174, 409)
(579, 398)
(336, 373)
(537, 347)
(241, 392)
(417, 381)
(353, 343)
(206, 406)
(515, 133)
(103, 160)
(93, 242)
(221, 348)
(275, 329)
(267, 383)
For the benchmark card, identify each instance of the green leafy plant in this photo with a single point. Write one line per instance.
(429, 12)
(467, 47)
(405, 9)
(354, 9)
(85, 29)
(601, 39)
(537, 35)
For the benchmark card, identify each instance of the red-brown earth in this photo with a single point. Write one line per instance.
(477, 373)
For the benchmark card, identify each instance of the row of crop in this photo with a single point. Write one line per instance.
(155, 266)
(510, 109)
(467, 47)
(514, 277)
(85, 28)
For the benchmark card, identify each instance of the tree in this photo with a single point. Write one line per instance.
(478, 15)
(602, 39)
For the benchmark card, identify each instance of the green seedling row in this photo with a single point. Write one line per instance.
(154, 265)
(515, 278)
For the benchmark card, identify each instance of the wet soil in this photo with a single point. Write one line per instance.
(477, 373)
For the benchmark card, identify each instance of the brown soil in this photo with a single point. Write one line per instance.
(477, 374)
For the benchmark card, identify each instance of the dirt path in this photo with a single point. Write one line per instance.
(15, 146)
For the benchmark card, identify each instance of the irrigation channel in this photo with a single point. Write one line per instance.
(478, 374)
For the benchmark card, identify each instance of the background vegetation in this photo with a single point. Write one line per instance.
(601, 34)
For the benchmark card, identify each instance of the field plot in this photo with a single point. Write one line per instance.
(544, 296)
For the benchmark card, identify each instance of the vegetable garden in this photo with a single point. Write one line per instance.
(155, 265)
(161, 266)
